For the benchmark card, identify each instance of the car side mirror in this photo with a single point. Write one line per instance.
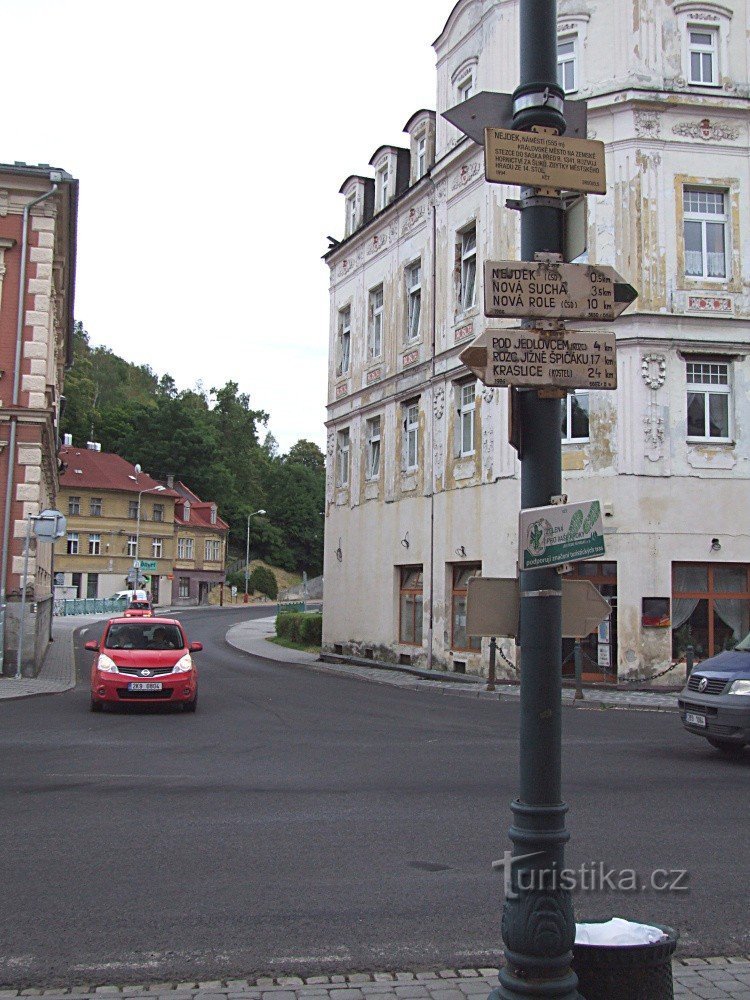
(196, 647)
(93, 646)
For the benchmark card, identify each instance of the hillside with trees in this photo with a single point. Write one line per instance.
(211, 441)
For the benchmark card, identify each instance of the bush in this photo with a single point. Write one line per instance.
(263, 580)
(236, 579)
(304, 628)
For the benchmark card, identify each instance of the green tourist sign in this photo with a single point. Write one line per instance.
(552, 536)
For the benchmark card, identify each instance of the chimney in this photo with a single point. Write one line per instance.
(93, 446)
(170, 482)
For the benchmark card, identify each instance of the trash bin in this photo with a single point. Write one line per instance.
(626, 972)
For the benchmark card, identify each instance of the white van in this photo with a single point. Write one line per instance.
(129, 595)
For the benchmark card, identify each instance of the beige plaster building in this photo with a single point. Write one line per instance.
(422, 484)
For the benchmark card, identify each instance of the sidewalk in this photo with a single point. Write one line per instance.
(694, 979)
(58, 671)
(249, 637)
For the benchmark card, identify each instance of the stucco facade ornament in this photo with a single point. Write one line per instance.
(647, 124)
(467, 172)
(653, 425)
(488, 444)
(441, 191)
(707, 130)
(438, 402)
(654, 370)
(415, 216)
(488, 394)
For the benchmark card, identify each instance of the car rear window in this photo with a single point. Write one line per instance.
(140, 635)
(139, 605)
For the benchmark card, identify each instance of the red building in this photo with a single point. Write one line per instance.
(38, 221)
(200, 547)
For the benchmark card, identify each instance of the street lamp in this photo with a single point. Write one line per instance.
(247, 549)
(136, 560)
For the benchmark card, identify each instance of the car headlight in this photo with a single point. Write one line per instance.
(740, 687)
(184, 664)
(106, 665)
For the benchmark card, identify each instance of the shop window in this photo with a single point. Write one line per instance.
(599, 648)
(459, 590)
(410, 605)
(92, 585)
(710, 607)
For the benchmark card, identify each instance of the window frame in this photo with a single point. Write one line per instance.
(132, 546)
(411, 434)
(567, 438)
(704, 219)
(351, 213)
(133, 509)
(183, 586)
(712, 50)
(344, 336)
(417, 616)
(72, 543)
(96, 507)
(157, 548)
(382, 183)
(95, 544)
(159, 511)
(708, 389)
(571, 59)
(420, 168)
(461, 593)
(375, 322)
(465, 85)
(467, 257)
(467, 412)
(413, 300)
(343, 458)
(373, 448)
(74, 506)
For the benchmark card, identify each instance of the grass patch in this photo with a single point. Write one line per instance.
(290, 644)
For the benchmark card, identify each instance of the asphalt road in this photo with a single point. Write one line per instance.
(302, 823)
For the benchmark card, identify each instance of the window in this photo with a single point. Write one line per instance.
(213, 513)
(213, 550)
(411, 441)
(133, 508)
(466, 407)
(567, 75)
(92, 585)
(156, 548)
(375, 345)
(599, 647)
(382, 186)
(410, 605)
(74, 506)
(710, 607)
(183, 586)
(72, 543)
(351, 214)
(414, 299)
(465, 87)
(421, 156)
(95, 545)
(95, 507)
(158, 511)
(468, 290)
(342, 458)
(133, 546)
(461, 576)
(708, 392)
(184, 548)
(186, 511)
(76, 580)
(575, 416)
(705, 228)
(345, 340)
(372, 457)
(703, 53)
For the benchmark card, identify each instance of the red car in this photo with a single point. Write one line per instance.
(144, 660)
(139, 609)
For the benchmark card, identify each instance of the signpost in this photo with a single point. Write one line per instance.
(563, 359)
(493, 605)
(559, 534)
(539, 159)
(551, 289)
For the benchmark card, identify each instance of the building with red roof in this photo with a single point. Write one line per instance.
(200, 547)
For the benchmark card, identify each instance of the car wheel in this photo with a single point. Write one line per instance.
(730, 749)
(96, 706)
(190, 706)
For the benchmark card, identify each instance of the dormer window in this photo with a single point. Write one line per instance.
(465, 86)
(703, 45)
(381, 186)
(351, 214)
(567, 63)
(186, 514)
(421, 156)
(213, 513)
(704, 27)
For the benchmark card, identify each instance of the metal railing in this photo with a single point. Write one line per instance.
(87, 606)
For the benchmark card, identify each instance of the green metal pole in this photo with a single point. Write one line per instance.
(538, 924)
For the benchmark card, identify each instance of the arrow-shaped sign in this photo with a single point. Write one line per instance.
(492, 607)
(550, 289)
(561, 359)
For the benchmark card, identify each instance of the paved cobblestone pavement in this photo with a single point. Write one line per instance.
(694, 979)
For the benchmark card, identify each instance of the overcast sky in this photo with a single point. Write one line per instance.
(210, 141)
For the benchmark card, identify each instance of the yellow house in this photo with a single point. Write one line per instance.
(117, 515)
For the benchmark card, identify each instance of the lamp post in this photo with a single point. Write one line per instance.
(247, 550)
(136, 560)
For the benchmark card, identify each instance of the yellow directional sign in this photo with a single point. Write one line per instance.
(562, 359)
(550, 289)
(544, 160)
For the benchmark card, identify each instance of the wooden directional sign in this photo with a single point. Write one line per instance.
(562, 359)
(553, 290)
(492, 607)
(543, 160)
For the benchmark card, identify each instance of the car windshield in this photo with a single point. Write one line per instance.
(138, 635)
(744, 646)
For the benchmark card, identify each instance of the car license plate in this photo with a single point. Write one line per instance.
(695, 720)
(144, 686)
